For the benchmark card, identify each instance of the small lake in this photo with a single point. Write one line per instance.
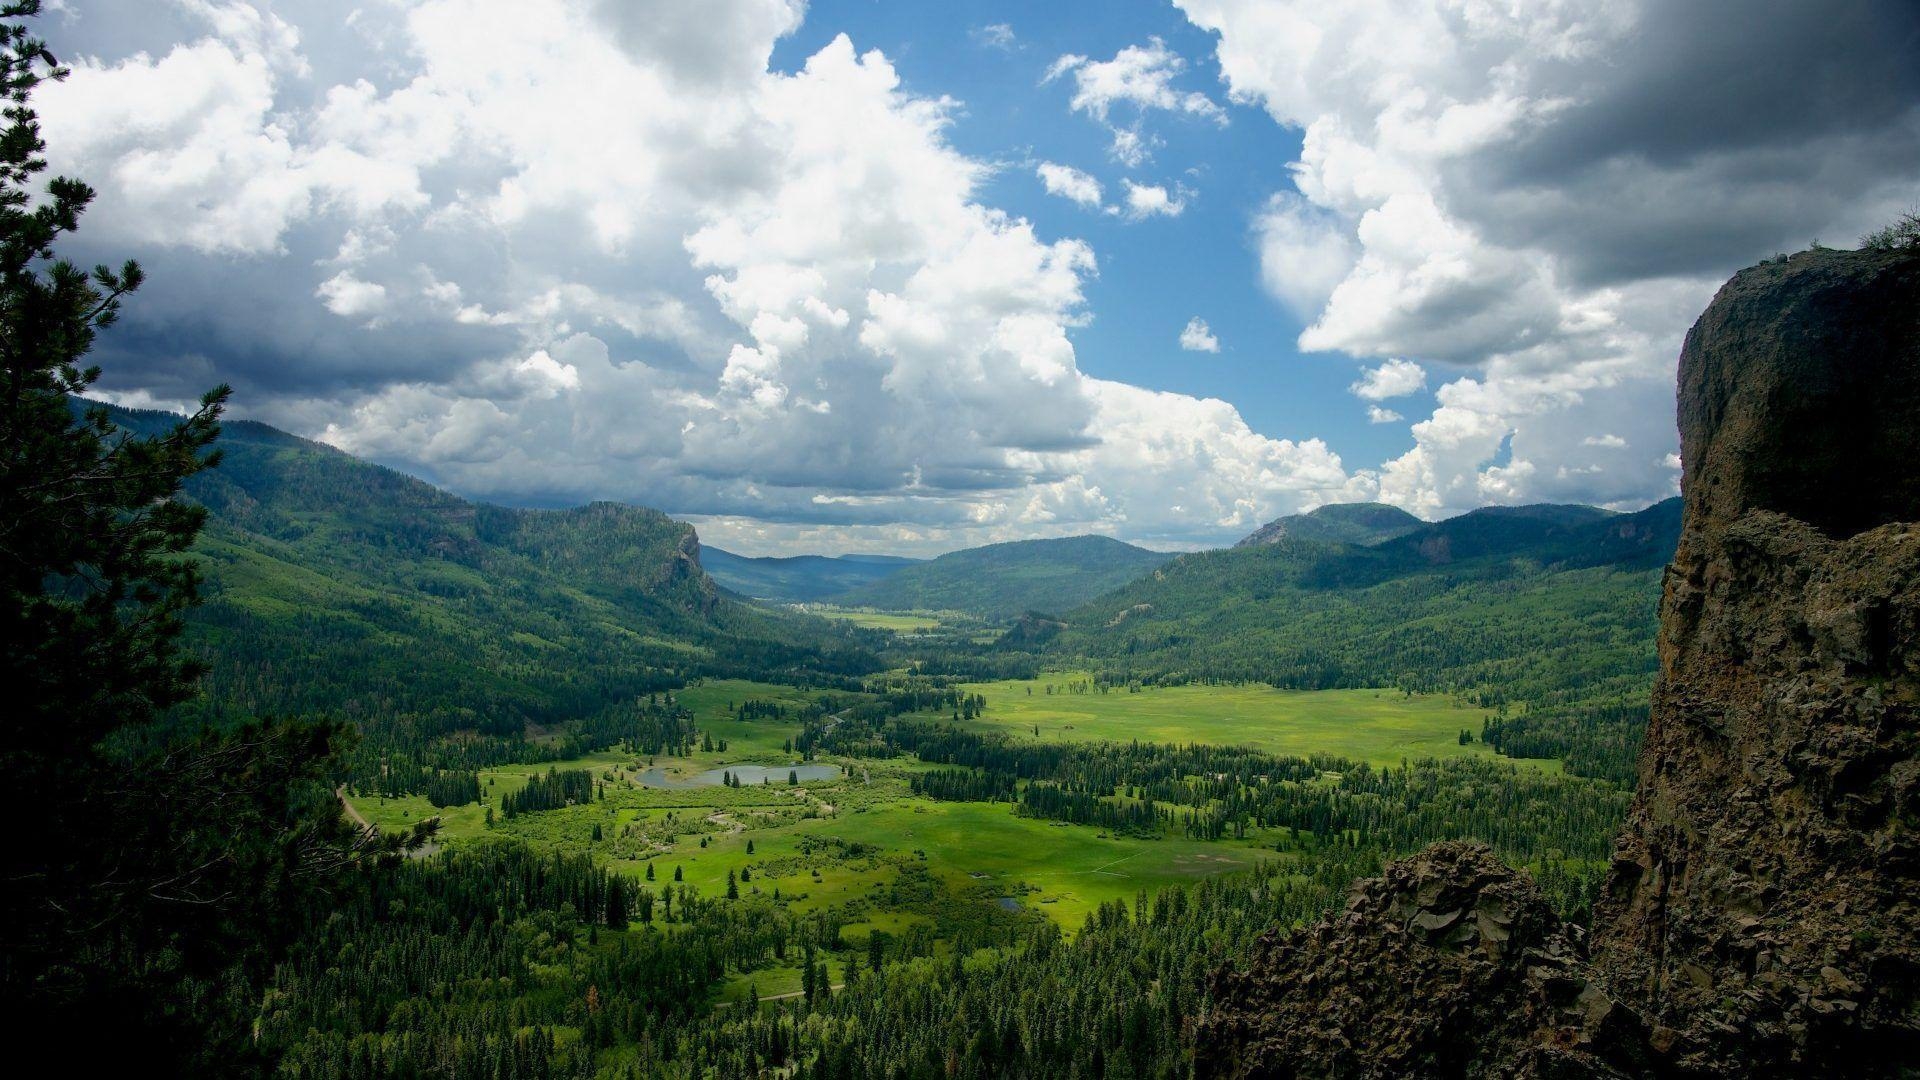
(747, 774)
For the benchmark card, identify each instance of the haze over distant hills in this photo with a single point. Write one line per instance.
(1000, 581)
(798, 578)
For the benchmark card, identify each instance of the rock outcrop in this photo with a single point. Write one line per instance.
(1762, 917)
(1764, 910)
(1450, 964)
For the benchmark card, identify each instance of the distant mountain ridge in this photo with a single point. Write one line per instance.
(1539, 604)
(1346, 523)
(338, 586)
(798, 578)
(1001, 581)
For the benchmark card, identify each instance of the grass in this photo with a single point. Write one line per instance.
(866, 850)
(1382, 727)
(896, 621)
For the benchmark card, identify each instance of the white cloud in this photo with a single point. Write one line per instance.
(1539, 198)
(1395, 378)
(1304, 253)
(1140, 77)
(1611, 442)
(1198, 336)
(349, 297)
(1152, 200)
(1379, 415)
(626, 259)
(1069, 182)
(996, 36)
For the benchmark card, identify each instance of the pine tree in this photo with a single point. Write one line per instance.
(161, 861)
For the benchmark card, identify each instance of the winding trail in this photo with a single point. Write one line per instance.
(836, 988)
(353, 813)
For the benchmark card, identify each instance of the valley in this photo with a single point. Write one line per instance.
(804, 540)
(886, 769)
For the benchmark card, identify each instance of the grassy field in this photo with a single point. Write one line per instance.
(1383, 727)
(896, 621)
(861, 849)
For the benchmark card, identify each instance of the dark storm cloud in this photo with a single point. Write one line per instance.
(1717, 129)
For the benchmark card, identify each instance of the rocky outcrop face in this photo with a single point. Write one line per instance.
(1762, 917)
(1764, 910)
(1450, 964)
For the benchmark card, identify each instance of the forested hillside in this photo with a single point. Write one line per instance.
(798, 579)
(342, 588)
(1343, 523)
(1544, 614)
(1000, 581)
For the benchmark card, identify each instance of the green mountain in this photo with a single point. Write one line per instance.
(1544, 614)
(1000, 581)
(1341, 523)
(798, 578)
(341, 587)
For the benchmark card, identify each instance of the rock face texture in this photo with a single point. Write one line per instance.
(1450, 964)
(1762, 917)
(1764, 910)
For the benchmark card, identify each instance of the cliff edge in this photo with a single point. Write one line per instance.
(1762, 916)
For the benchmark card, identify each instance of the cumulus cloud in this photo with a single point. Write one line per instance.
(1304, 252)
(349, 297)
(1152, 200)
(1377, 414)
(1198, 336)
(1539, 198)
(1140, 78)
(1395, 378)
(625, 258)
(1070, 183)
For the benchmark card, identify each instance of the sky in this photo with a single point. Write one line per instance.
(907, 277)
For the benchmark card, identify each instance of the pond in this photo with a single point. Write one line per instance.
(747, 774)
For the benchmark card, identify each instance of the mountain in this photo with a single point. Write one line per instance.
(1774, 816)
(1000, 581)
(798, 578)
(1344, 523)
(337, 586)
(1547, 610)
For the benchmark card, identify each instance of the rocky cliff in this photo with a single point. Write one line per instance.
(1762, 917)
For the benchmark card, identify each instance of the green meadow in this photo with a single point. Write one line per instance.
(1382, 727)
(864, 851)
(898, 621)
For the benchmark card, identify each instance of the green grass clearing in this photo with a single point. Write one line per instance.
(1382, 727)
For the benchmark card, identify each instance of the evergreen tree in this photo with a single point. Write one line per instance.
(165, 864)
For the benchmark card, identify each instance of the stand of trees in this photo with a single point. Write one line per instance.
(158, 868)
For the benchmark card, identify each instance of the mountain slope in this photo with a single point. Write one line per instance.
(798, 578)
(1548, 611)
(1341, 523)
(999, 581)
(337, 586)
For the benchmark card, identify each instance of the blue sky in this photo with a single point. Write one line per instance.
(834, 276)
(1154, 275)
